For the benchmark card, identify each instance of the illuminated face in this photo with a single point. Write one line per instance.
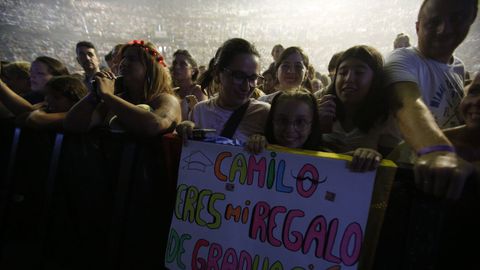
(353, 81)
(181, 68)
(292, 71)
(238, 81)
(268, 83)
(132, 67)
(442, 26)
(39, 76)
(470, 106)
(316, 85)
(87, 58)
(292, 123)
(57, 102)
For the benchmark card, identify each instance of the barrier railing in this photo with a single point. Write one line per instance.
(103, 200)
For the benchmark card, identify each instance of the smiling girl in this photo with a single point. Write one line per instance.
(232, 113)
(465, 137)
(291, 72)
(355, 110)
(292, 122)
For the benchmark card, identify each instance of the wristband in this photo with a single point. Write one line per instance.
(436, 148)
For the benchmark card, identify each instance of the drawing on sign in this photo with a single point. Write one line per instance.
(242, 213)
(314, 179)
(197, 161)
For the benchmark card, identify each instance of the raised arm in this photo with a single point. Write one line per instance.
(15, 103)
(41, 119)
(441, 173)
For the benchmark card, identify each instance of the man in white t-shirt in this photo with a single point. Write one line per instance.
(440, 84)
(426, 85)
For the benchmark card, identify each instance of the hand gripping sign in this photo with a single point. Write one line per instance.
(283, 209)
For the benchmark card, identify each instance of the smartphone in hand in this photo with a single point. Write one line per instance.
(202, 133)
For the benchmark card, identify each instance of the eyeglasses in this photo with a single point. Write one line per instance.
(239, 77)
(299, 124)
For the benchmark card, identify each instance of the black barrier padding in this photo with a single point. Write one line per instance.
(113, 204)
(392, 245)
(21, 235)
(84, 201)
(423, 232)
(150, 209)
(6, 136)
(114, 196)
(459, 239)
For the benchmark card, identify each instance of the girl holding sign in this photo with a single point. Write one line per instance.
(292, 122)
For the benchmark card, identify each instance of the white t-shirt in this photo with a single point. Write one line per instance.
(441, 85)
(207, 114)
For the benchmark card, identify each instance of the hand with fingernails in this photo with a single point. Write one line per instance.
(185, 130)
(256, 144)
(105, 81)
(365, 159)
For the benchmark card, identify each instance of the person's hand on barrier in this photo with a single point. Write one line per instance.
(365, 159)
(326, 112)
(442, 174)
(256, 144)
(184, 130)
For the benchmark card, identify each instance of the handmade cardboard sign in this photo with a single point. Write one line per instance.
(281, 209)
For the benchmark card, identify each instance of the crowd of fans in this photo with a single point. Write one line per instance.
(31, 28)
(364, 107)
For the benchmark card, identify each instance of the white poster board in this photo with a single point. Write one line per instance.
(277, 210)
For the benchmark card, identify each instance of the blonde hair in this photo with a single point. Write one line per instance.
(157, 80)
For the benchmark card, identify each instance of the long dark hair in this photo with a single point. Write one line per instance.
(223, 57)
(190, 60)
(68, 86)
(286, 53)
(374, 107)
(157, 80)
(54, 67)
(301, 94)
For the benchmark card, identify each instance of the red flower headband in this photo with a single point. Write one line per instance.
(150, 51)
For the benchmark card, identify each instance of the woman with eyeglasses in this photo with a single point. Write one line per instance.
(232, 113)
(141, 102)
(291, 70)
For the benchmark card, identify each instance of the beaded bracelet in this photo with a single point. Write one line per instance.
(436, 148)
